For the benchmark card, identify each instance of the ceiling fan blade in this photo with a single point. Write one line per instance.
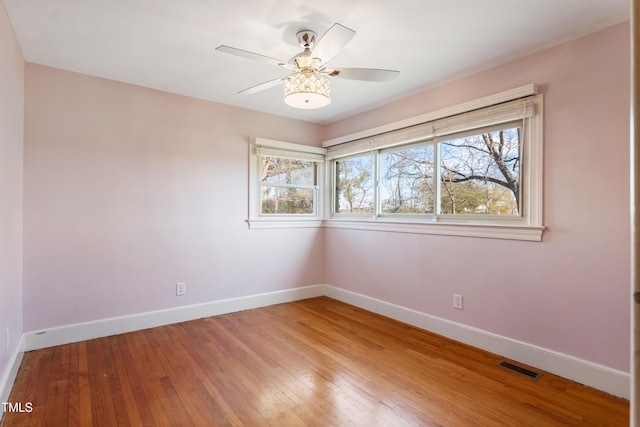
(366, 74)
(262, 86)
(332, 42)
(252, 55)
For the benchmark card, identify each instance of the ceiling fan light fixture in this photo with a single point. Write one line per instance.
(307, 90)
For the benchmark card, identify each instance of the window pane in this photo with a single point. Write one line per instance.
(406, 180)
(281, 200)
(277, 170)
(355, 185)
(480, 174)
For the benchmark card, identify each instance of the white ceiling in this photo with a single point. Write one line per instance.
(170, 44)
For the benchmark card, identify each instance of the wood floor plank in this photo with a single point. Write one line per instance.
(84, 395)
(57, 385)
(103, 401)
(73, 377)
(316, 362)
(128, 398)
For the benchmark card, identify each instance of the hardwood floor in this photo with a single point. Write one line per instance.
(315, 362)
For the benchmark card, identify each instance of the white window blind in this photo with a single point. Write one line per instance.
(518, 109)
(266, 147)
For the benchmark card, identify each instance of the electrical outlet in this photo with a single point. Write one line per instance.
(457, 301)
(181, 288)
(7, 337)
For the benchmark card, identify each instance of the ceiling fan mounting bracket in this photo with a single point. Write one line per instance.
(306, 38)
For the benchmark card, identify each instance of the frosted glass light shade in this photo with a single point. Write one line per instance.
(307, 90)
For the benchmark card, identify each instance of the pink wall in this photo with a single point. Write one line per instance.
(11, 144)
(568, 293)
(130, 190)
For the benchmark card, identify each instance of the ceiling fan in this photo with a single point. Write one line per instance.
(308, 85)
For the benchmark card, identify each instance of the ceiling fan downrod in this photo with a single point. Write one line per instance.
(306, 38)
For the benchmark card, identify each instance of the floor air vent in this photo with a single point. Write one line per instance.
(520, 370)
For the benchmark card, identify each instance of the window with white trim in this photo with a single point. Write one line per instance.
(285, 185)
(479, 172)
(476, 173)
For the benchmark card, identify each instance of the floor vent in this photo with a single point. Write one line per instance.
(520, 370)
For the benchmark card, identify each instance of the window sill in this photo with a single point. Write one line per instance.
(284, 223)
(491, 231)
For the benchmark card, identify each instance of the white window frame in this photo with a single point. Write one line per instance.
(527, 226)
(263, 146)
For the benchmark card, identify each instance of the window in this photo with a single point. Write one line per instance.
(407, 180)
(480, 172)
(473, 173)
(354, 185)
(284, 184)
(287, 186)
(476, 173)
(473, 169)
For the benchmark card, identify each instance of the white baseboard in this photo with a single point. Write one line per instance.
(591, 374)
(7, 380)
(117, 325)
(582, 371)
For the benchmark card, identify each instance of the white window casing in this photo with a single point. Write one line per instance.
(520, 105)
(267, 147)
(526, 109)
